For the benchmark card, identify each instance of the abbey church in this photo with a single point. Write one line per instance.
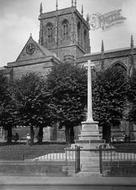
(64, 37)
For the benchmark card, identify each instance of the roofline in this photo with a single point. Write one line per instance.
(114, 53)
(114, 50)
(83, 19)
(30, 62)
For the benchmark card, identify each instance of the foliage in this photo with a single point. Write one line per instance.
(132, 97)
(109, 94)
(7, 107)
(32, 100)
(67, 85)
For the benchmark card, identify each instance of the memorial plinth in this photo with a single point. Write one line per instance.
(89, 131)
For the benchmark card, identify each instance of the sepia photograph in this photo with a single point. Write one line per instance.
(67, 95)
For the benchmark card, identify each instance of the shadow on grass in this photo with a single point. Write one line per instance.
(36, 143)
(22, 151)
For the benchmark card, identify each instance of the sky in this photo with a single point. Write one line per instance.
(19, 18)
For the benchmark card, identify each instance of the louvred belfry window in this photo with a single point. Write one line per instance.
(50, 32)
(65, 28)
(79, 32)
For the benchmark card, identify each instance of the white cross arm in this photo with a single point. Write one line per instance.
(91, 64)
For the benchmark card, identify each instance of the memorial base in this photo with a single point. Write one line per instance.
(89, 141)
(89, 131)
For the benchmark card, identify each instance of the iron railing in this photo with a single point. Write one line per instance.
(109, 158)
(117, 162)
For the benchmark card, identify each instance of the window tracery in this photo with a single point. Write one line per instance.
(50, 32)
(65, 29)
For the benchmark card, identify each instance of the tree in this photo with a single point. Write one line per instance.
(67, 84)
(110, 95)
(7, 107)
(32, 100)
(132, 97)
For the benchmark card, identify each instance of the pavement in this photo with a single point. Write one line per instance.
(85, 180)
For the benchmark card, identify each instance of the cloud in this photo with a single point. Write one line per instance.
(15, 31)
(19, 18)
(129, 11)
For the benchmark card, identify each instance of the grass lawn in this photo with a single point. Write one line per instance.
(20, 151)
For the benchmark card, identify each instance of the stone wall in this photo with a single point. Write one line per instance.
(40, 69)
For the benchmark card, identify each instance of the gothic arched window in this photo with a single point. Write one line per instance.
(65, 29)
(119, 66)
(85, 39)
(78, 32)
(117, 72)
(50, 32)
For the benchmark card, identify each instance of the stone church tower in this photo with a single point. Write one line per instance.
(64, 32)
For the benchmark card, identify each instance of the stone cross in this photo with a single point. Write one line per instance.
(89, 93)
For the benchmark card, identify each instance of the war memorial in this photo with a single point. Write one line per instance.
(64, 38)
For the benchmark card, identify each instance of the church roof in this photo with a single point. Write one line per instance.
(109, 54)
(33, 53)
(33, 50)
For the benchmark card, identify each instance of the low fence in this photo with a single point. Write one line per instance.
(25, 158)
(112, 161)
(67, 155)
(70, 155)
